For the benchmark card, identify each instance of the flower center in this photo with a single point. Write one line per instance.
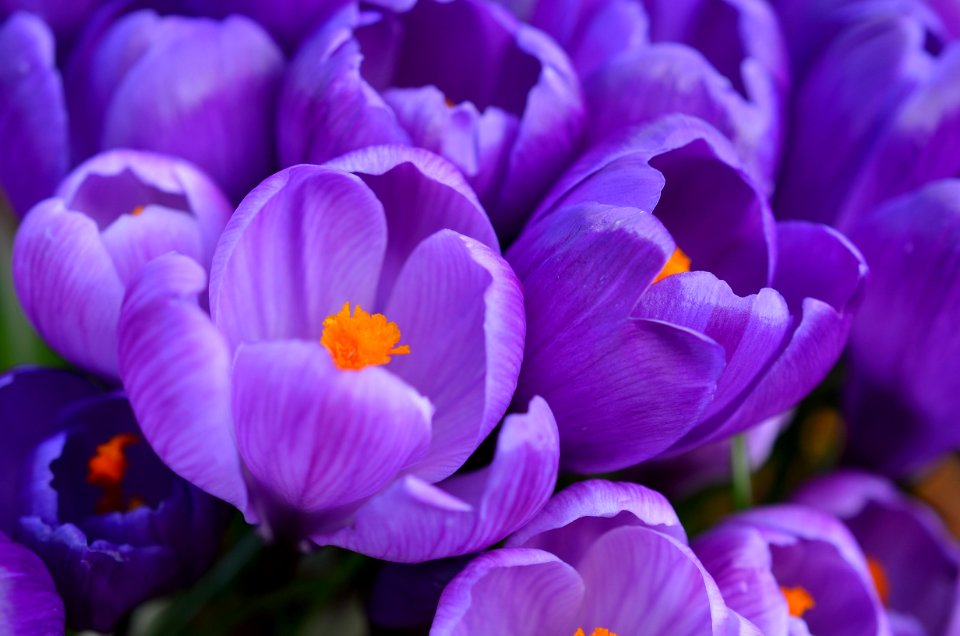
(880, 581)
(600, 631)
(678, 264)
(799, 601)
(107, 468)
(360, 340)
(137, 211)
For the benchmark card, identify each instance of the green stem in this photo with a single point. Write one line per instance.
(740, 466)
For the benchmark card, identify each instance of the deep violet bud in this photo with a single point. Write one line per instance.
(793, 571)
(82, 490)
(361, 317)
(199, 89)
(914, 562)
(34, 150)
(75, 253)
(462, 78)
(27, 589)
(902, 396)
(696, 315)
(600, 556)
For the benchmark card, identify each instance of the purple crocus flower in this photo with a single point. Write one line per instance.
(80, 488)
(76, 253)
(793, 571)
(912, 557)
(602, 557)
(29, 602)
(638, 356)
(303, 406)
(902, 398)
(461, 78)
(848, 154)
(65, 17)
(721, 60)
(34, 150)
(200, 89)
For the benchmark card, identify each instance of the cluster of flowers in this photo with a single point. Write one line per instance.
(306, 257)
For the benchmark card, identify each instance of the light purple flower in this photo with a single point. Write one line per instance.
(599, 555)
(34, 150)
(902, 397)
(259, 405)
(76, 253)
(914, 561)
(793, 571)
(633, 366)
(461, 78)
(199, 89)
(29, 605)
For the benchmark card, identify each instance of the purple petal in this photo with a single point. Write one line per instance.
(415, 521)
(30, 602)
(68, 286)
(133, 241)
(175, 367)
(640, 581)
(315, 437)
(512, 591)
(575, 518)
(34, 151)
(304, 242)
(460, 309)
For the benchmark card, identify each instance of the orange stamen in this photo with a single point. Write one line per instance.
(678, 264)
(880, 581)
(600, 631)
(799, 601)
(137, 211)
(107, 468)
(360, 340)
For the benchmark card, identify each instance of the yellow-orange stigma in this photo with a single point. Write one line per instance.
(600, 631)
(678, 264)
(361, 340)
(799, 601)
(880, 581)
(137, 211)
(106, 470)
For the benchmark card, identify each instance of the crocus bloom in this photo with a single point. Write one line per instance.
(914, 561)
(200, 89)
(76, 252)
(695, 315)
(602, 558)
(29, 605)
(721, 60)
(848, 153)
(365, 336)
(80, 488)
(461, 78)
(793, 571)
(33, 118)
(902, 398)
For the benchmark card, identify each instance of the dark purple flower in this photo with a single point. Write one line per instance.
(877, 116)
(600, 556)
(636, 362)
(34, 150)
(199, 89)
(76, 253)
(902, 398)
(721, 60)
(303, 406)
(461, 78)
(29, 605)
(914, 561)
(793, 571)
(80, 488)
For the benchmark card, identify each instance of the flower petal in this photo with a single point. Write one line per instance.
(175, 367)
(415, 521)
(30, 602)
(460, 309)
(512, 591)
(315, 437)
